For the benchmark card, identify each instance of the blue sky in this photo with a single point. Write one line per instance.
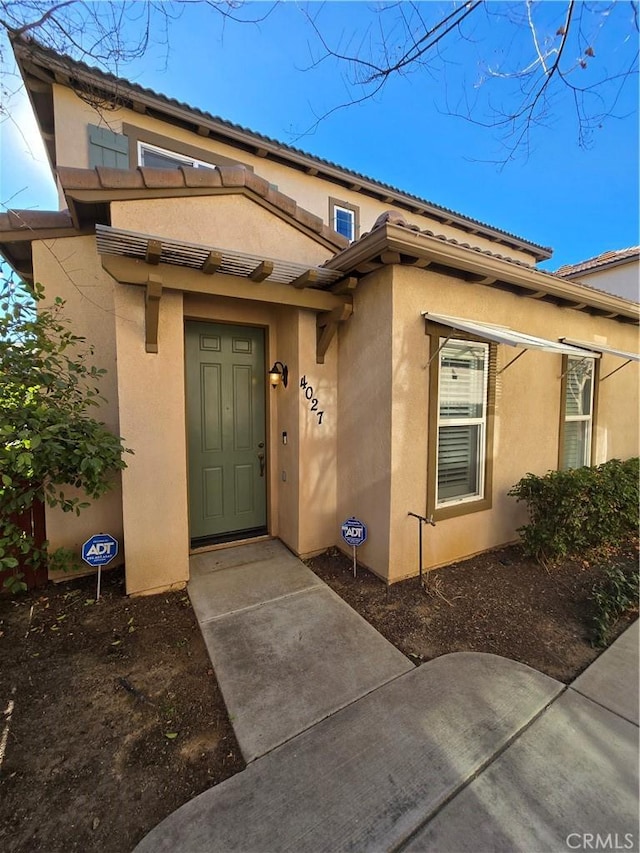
(579, 201)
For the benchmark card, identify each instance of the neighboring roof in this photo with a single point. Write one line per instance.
(599, 262)
(40, 65)
(86, 188)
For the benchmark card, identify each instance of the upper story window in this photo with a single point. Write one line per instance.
(344, 218)
(160, 158)
(577, 411)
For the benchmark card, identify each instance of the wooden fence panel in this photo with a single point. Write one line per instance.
(32, 522)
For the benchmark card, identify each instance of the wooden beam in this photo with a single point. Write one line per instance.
(38, 87)
(152, 312)
(307, 278)
(345, 285)
(368, 266)
(536, 294)
(421, 263)
(154, 252)
(139, 108)
(356, 188)
(390, 258)
(212, 263)
(261, 152)
(202, 130)
(475, 278)
(311, 170)
(327, 326)
(186, 280)
(262, 271)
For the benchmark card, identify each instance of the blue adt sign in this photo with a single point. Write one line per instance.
(354, 532)
(100, 549)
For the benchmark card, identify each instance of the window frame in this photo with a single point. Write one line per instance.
(473, 503)
(166, 144)
(591, 420)
(182, 159)
(336, 204)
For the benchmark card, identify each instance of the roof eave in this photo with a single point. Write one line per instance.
(390, 244)
(142, 101)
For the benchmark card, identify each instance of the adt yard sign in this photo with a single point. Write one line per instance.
(354, 532)
(100, 549)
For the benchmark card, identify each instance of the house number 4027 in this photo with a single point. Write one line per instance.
(307, 390)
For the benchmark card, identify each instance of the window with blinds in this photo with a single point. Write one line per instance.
(578, 412)
(159, 158)
(462, 421)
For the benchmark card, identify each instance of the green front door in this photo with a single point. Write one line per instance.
(226, 427)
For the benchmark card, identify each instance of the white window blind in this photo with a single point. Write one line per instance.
(578, 412)
(462, 420)
(158, 158)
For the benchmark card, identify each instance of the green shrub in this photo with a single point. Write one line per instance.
(50, 445)
(572, 510)
(614, 594)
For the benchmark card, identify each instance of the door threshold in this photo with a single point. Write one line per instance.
(219, 546)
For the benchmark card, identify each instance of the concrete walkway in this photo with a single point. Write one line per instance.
(469, 752)
(287, 651)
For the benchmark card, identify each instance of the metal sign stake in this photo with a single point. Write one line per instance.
(355, 565)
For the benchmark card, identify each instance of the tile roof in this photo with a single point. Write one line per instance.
(605, 259)
(29, 49)
(34, 220)
(190, 179)
(393, 217)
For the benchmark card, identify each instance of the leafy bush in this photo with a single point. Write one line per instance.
(612, 596)
(48, 440)
(579, 508)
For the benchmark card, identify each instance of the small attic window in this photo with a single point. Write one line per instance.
(344, 218)
(160, 158)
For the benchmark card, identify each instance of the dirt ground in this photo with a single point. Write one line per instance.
(112, 716)
(498, 602)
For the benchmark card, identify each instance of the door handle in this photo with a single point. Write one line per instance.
(261, 460)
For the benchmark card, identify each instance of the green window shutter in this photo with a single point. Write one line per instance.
(107, 148)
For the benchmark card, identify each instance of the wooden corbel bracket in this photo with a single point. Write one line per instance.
(326, 327)
(152, 312)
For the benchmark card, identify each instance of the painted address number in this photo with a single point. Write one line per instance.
(308, 393)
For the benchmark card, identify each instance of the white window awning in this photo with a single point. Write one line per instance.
(602, 348)
(504, 335)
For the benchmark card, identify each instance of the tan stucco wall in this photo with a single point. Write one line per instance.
(365, 418)
(152, 405)
(226, 222)
(72, 115)
(70, 268)
(527, 409)
(384, 407)
(318, 441)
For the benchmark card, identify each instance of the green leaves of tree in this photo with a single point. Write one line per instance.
(49, 440)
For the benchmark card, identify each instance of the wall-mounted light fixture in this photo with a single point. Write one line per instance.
(278, 374)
